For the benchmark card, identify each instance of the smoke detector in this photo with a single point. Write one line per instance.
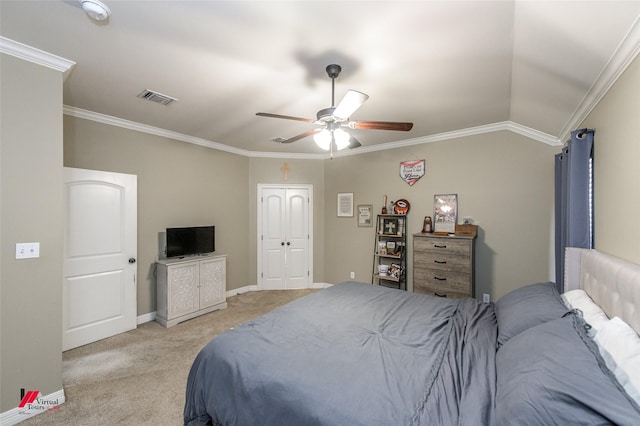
(95, 9)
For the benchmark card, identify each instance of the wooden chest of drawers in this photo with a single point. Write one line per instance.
(444, 265)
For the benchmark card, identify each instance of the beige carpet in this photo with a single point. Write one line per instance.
(139, 377)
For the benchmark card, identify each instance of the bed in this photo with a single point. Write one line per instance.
(357, 354)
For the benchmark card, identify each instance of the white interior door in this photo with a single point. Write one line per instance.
(100, 249)
(284, 237)
(272, 273)
(296, 227)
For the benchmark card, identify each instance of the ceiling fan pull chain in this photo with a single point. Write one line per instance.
(333, 141)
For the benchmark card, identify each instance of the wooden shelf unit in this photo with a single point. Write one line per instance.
(390, 249)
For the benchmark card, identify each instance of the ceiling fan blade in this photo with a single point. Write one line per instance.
(349, 104)
(286, 117)
(354, 143)
(297, 137)
(380, 125)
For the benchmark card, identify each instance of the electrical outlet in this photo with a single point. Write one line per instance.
(353, 275)
(486, 298)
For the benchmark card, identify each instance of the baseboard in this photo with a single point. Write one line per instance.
(241, 290)
(249, 288)
(151, 316)
(320, 285)
(40, 405)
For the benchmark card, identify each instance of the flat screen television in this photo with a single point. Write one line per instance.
(191, 241)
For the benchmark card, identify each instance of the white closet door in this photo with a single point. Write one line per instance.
(284, 239)
(297, 238)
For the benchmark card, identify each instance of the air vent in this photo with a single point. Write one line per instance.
(156, 97)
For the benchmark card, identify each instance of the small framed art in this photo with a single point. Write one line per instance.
(345, 204)
(445, 213)
(365, 214)
(390, 226)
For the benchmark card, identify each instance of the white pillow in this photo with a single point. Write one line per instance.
(592, 313)
(619, 345)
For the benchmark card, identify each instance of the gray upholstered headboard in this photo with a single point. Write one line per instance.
(611, 282)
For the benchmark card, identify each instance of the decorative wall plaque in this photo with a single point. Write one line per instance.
(411, 171)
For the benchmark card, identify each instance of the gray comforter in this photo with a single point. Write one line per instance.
(353, 354)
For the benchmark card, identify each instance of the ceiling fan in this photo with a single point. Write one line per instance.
(335, 119)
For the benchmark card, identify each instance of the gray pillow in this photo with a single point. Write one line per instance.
(553, 374)
(526, 307)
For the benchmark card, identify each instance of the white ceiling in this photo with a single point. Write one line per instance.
(450, 67)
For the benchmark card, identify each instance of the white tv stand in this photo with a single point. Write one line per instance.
(190, 286)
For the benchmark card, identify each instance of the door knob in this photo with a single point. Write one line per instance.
(282, 243)
(132, 260)
(288, 243)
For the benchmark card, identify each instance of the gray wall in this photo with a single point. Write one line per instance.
(503, 180)
(31, 203)
(617, 175)
(179, 184)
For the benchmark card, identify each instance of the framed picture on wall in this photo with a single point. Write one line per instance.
(345, 204)
(365, 213)
(445, 213)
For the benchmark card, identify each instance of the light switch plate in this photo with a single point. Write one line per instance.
(27, 250)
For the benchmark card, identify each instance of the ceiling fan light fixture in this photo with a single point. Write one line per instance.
(323, 139)
(95, 9)
(342, 138)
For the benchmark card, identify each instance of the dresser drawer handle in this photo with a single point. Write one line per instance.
(439, 246)
(440, 279)
(439, 295)
(440, 262)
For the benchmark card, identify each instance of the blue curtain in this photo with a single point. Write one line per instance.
(573, 197)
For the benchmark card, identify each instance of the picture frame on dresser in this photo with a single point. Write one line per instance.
(445, 213)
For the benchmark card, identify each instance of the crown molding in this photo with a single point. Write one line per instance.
(471, 131)
(618, 63)
(533, 134)
(144, 128)
(157, 131)
(288, 155)
(37, 56)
